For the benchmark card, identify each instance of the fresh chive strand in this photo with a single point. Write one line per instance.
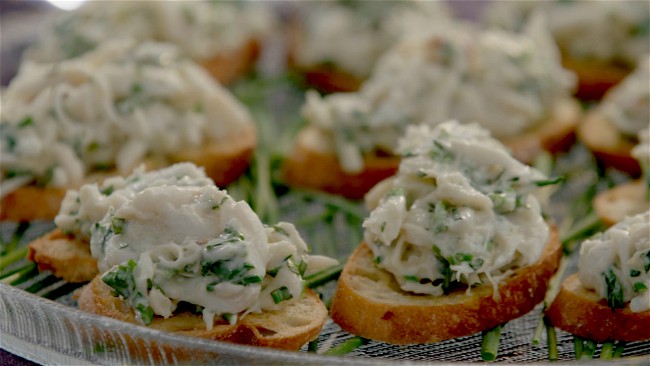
(313, 346)
(578, 346)
(490, 343)
(38, 286)
(607, 351)
(588, 349)
(8, 275)
(618, 350)
(551, 340)
(13, 256)
(328, 274)
(346, 347)
(581, 229)
(537, 336)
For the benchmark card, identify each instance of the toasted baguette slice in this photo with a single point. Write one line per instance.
(554, 135)
(595, 78)
(627, 199)
(319, 169)
(63, 255)
(227, 68)
(326, 78)
(288, 328)
(580, 311)
(607, 144)
(223, 161)
(369, 302)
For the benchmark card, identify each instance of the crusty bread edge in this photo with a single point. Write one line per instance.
(628, 199)
(414, 319)
(253, 329)
(581, 312)
(66, 257)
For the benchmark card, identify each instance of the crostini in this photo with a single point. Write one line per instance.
(608, 299)
(610, 130)
(123, 104)
(224, 37)
(335, 44)
(600, 41)
(512, 84)
(455, 242)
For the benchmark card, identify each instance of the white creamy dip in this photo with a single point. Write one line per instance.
(616, 263)
(507, 82)
(351, 35)
(109, 110)
(606, 31)
(627, 105)
(460, 209)
(202, 29)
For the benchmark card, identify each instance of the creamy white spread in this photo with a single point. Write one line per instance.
(171, 238)
(110, 110)
(507, 82)
(605, 31)
(351, 35)
(616, 263)
(627, 105)
(202, 29)
(460, 209)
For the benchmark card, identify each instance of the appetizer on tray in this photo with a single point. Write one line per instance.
(513, 84)
(610, 130)
(608, 299)
(630, 198)
(223, 36)
(600, 40)
(172, 251)
(455, 242)
(122, 104)
(335, 44)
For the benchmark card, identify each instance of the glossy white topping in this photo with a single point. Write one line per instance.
(460, 209)
(616, 263)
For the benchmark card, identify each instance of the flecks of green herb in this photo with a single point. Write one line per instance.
(321, 277)
(347, 346)
(281, 294)
(108, 190)
(614, 290)
(120, 279)
(117, 224)
(548, 182)
(145, 313)
(27, 121)
(640, 287)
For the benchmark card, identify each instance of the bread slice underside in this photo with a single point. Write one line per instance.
(295, 324)
(627, 199)
(582, 312)
(594, 78)
(369, 302)
(231, 66)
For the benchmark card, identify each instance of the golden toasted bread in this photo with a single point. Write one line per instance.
(307, 167)
(227, 68)
(627, 199)
(580, 311)
(608, 145)
(594, 77)
(289, 328)
(369, 302)
(554, 135)
(223, 161)
(63, 255)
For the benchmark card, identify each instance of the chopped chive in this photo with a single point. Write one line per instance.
(588, 349)
(490, 343)
(328, 274)
(281, 294)
(607, 351)
(578, 346)
(551, 340)
(347, 346)
(313, 346)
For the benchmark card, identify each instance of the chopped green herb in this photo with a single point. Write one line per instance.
(281, 294)
(117, 224)
(120, 279)
(640, 287)
(635, 273)
(411, 278)
(548, 182)
(249, 280)
(280, 230)
(108, 190)
(614, 290)
(145, 313)
(27, 121)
